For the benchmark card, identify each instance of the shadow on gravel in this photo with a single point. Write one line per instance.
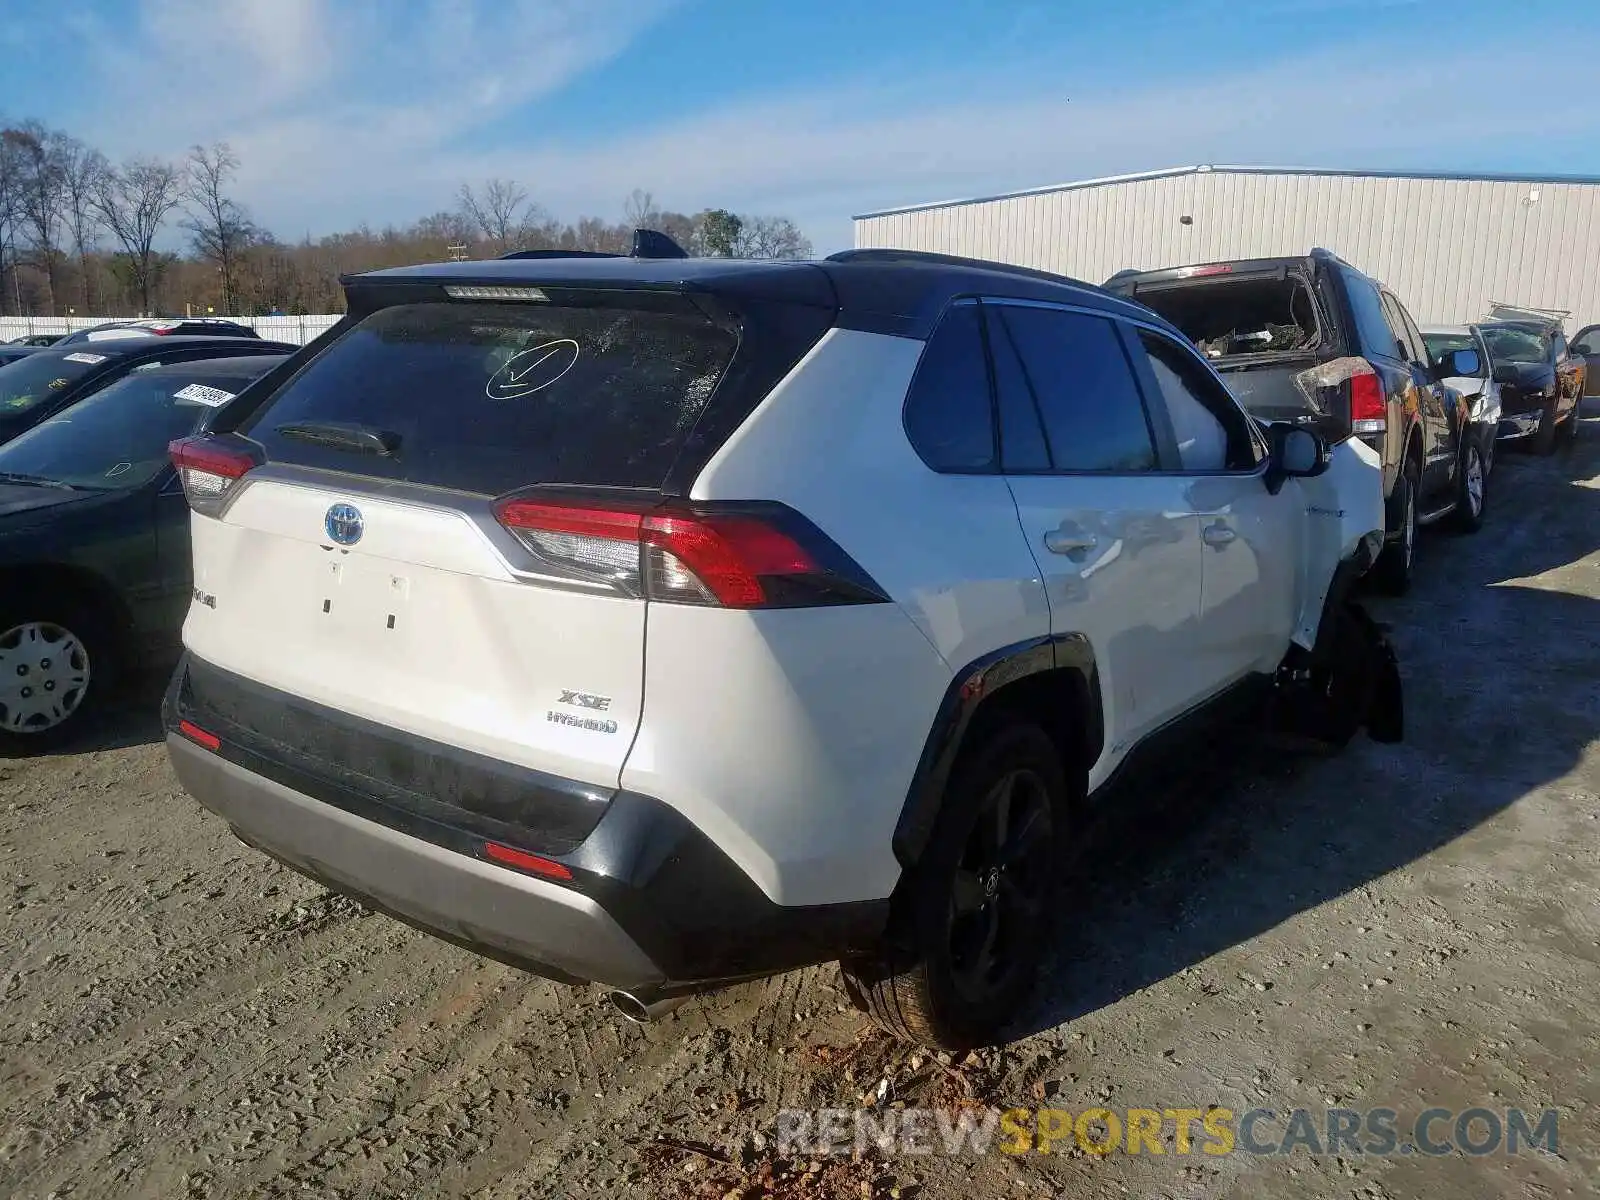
(132, 717)
(1500, 699)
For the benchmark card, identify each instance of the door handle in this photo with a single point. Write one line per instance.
(1218, 535)
(1069, 541)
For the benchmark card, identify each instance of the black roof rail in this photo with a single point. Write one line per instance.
(950, 260)
(559, 254)
(647, 243)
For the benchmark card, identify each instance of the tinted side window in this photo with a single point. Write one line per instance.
(1397, 325)
(1211, 431)
(1376, 336)
(1588, 342)
(1413, 335)
(949, 416)
(1022, 445)
(1083, 387)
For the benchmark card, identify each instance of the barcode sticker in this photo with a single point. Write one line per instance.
(199, 393)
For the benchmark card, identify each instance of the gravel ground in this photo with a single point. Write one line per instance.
(1406, 926)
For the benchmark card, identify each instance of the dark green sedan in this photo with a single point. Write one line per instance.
(94, 541)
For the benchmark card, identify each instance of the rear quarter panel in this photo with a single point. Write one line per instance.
(820, 715)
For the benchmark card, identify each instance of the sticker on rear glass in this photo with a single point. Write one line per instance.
(532, 370)
(80, 356)
(199, 393)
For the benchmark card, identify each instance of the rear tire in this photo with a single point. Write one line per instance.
(1393, 571)
(972, 923)
(55, 668)
(1472, 488)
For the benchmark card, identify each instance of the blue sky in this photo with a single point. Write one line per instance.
(346, 111)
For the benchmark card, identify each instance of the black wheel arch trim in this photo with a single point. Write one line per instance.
(968, 691)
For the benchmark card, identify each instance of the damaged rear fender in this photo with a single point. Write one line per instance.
(1349, 681)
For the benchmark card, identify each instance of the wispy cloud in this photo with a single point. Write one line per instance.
(314, 95)
(826, 154)
(339, 116)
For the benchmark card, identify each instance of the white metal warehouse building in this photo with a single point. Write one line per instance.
(1447, 244)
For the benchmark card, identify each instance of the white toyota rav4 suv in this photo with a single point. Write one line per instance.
(668, 623)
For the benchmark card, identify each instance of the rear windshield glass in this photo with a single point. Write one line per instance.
(118, 437)
(29, 382)
(1232, 317)
(491, 397)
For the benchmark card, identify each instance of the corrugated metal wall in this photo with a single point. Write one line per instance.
(1446, 246)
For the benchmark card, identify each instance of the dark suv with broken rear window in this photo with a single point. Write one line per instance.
(1314, 341)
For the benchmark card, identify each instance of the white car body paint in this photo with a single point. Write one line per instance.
(789, 736)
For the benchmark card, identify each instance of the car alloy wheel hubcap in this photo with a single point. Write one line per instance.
(1000, 883)
(44, 676)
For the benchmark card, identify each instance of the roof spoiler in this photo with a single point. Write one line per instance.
(647, 243)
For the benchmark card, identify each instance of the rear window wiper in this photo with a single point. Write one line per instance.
(36, 481)
(337, 435)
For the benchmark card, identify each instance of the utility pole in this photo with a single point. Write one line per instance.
(458, 251)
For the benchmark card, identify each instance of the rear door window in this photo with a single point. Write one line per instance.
(487, 398)
(1371, 322)
(948, 415)
(1397, 328)
(1083, 388)
(1413, 336)
(1022, 444)
(1212, 432)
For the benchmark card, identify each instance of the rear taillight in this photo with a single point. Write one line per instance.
(745, 556)
(209, 467)
(1369, 411)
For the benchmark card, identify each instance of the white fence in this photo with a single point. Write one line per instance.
(279, 329)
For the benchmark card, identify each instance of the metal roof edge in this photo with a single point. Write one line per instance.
(1237, 169)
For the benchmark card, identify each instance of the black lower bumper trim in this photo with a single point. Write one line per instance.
(685, 903)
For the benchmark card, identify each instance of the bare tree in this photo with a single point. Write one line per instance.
(135, 203)
(498, 211)
(444, 229)
(39, 151)
(772, 237)
(219, 228)
(639, 210)
(81, 172)
(11, 175)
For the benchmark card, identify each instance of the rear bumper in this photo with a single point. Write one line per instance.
(651, 902)
(533, 924)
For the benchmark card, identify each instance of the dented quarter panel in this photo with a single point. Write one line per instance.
(1343, 506)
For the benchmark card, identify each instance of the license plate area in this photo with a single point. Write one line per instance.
(363, 596)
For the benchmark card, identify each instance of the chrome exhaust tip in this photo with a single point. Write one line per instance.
(643, 1007)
